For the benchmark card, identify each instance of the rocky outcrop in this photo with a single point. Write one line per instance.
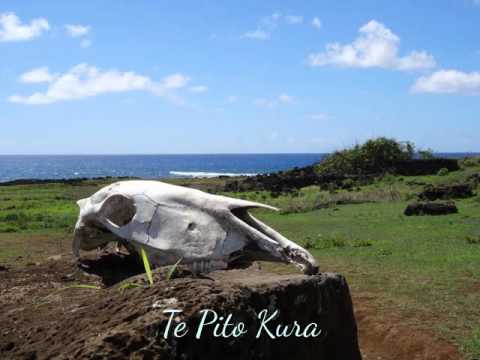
(297, 178)
(431, 208)
(285, 181)
(446, 192)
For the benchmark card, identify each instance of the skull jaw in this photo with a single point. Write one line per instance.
(90, 238)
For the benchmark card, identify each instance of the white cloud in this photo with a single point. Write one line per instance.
(376, 46)
(199, 89)
(316, 23)
(77, 30)
(38, 75)
(258, 34)
(84, 80)
(12, 29)
(449, 82)
(293, 19)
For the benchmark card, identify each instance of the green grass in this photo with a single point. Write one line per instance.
(146, 265)
(426, 267)
(172, 269)
(420, 264)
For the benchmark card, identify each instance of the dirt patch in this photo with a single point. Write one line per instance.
(395, 338)
(43, 315)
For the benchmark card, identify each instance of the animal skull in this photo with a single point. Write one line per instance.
(173, 222)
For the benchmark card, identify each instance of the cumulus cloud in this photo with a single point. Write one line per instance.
(84, 80)
(38, 75)
(449, 82)
(316, 23)
(12, 29)
(77, 30)
(376, 46)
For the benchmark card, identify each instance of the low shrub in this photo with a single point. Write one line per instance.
(362, 243)
(333, 241)
(473, 239)
(442, 172)
(469, 162)
(9, 229)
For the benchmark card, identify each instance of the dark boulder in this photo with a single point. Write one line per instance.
(446, 192)
(431, 208)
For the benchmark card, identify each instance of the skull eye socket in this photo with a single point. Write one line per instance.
(119, 209)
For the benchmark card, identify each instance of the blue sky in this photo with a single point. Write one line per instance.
(95, 77)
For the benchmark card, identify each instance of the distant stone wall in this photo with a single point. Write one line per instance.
(424, 167)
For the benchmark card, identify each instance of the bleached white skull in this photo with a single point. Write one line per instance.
(172, 222)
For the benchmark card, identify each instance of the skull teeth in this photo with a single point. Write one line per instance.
(198, 267)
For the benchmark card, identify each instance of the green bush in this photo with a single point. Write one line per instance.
(373, 157)
(362, 243)
(333, 241)
(309, 243)
(473, 240)
(9, 229)
(442, 172)
(469, 162)
(426, 154)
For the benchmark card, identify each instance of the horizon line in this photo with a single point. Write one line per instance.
(200, 154)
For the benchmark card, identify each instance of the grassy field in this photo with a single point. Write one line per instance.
(427, 268)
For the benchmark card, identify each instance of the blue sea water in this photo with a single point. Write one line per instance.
(14, 167)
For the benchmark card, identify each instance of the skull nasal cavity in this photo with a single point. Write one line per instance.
(119, 209)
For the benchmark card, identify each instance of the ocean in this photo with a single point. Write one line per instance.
(13, 167)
